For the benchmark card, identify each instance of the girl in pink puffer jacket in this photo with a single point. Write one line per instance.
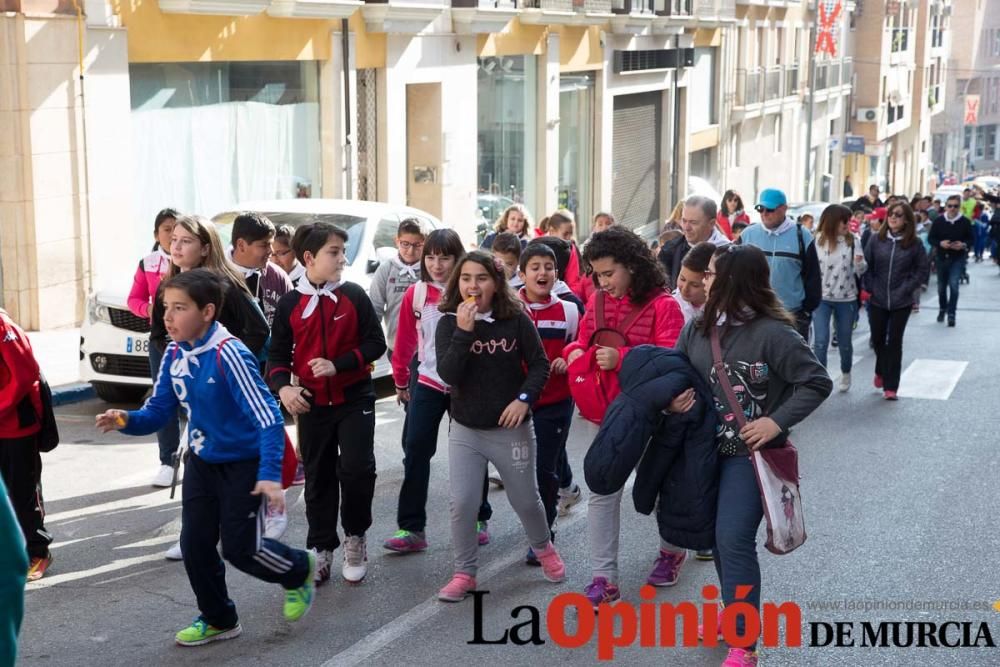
(154, 266)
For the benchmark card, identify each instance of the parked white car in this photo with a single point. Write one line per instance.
(114, 343)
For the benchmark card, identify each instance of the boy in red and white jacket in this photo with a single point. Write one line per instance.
(327, 335)
(557, 321)
(20, 422)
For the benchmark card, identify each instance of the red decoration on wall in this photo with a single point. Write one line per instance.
(825, 43)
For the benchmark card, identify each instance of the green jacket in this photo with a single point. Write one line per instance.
(13, 574)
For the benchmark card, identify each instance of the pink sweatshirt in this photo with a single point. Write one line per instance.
(151, 269)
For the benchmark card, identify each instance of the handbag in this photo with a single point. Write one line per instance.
(48, 436)
(777, 473)
(593, 389)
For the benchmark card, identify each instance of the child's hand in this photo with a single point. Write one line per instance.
(322, 367)
(759, 432)
(573, 356)
(112, 420)
(294, 399)
(514, 414)
(275, 496)
(402, 396)
(607, 358)
(558, 366)
(466, 315)
(683, 402)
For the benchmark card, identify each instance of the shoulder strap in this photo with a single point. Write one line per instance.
(572, 316)
(419, 298)
(723, 378)
(802, 248)
(633, 316)
(218, 355)
(599, 310)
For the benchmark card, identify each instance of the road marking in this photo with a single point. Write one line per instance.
(148, 500)
(63, 543)
(933, 379)
(151, 542)
(129, 576)
(361, 651)
(113, 566)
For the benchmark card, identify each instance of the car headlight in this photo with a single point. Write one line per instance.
(99, 312)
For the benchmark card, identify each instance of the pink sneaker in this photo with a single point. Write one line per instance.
(878, 381)
(890, 395)
(667, 568)
(458, 588)
(740, 657)
(553, 567)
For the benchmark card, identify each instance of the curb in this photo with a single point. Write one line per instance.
(72, 393)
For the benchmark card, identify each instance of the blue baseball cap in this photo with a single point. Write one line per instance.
(772, 198)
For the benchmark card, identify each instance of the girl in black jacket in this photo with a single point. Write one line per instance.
(897, 263)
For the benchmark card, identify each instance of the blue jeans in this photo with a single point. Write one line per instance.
(423, 419)
(843, 314)
(949, 272)
(551, 424)
(169, 436)
(736, 521)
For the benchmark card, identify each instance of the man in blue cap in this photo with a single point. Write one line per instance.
(791, 254)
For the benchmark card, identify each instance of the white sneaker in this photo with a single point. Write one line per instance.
(355, 558)
(164, 476)
(845, 382)
(174, 552)
(568, 498)
(323, 561)
(275, 523)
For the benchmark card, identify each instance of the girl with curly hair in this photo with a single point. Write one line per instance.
(632, 286)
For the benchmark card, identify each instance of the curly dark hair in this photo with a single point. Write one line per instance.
(628, 249)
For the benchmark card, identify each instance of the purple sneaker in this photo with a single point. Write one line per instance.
(482, 530)
(667, 568)
(601, 590)
(406, 542)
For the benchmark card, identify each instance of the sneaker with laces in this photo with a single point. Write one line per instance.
(164, 477)
(200, 632)
(174, 552)
(38, 566)
(275, 523)
(667, 568)
(740, 657)
(482, 530)
(324, 561)
(355, 558)
(568, 498)
(406, 542)
(600, 591)
(458, 588)
(553, 568)
(845, 382)
(299, 600)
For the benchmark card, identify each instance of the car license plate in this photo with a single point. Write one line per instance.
(135, 345)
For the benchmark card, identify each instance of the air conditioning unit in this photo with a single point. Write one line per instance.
(868, 115)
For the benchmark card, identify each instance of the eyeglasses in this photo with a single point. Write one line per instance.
(760, 208)
(709, 274)
(406, 245)
(283, 253)
(896, 214)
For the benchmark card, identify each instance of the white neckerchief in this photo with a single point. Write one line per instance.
(246, 272)
(180, 366)
(306, 287)
(163, 253)
(955, 219)
(297, 272)
(485, 317)
(781, 229)
(411, 270)
(553, 299)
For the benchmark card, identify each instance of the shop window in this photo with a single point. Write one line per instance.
(507, 134)
(576, 134)
(206, 136)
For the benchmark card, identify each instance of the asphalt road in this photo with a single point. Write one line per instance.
(900, 501)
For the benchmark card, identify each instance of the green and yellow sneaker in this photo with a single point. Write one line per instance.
(298, 600)
(200, 632)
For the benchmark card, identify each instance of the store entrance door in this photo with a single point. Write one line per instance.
(423, 147)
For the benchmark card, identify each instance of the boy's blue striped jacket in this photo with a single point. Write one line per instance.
(231, 414)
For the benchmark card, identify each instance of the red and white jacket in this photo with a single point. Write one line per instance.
(20, 400)
(415, 335)
(557, 321)
(659, 324)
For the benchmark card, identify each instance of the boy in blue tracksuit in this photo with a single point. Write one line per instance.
(236, 441)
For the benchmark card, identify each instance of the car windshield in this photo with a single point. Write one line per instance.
(352, 224)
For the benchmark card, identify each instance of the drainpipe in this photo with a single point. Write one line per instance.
(83, 131)
(806, 194)
(348, 149)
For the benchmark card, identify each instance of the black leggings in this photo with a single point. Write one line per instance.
(887, 328)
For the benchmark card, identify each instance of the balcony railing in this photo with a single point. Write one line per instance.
(571, 6)
(485, 4)
(772, 83)
(749, 87)
(834, 74)
(712, 9)
(791, 80)
(822, 79)
(650, 7)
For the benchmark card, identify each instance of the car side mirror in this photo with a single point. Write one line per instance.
(372, 265)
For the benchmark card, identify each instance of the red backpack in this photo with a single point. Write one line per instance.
(594, 389)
